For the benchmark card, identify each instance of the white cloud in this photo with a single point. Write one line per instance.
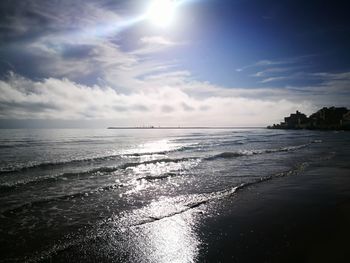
(290, 63)
(153, 44)
(62, 99)
(158, 40)
(272, 79)
(270, 71)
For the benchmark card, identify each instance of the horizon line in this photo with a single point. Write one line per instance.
(182, 127)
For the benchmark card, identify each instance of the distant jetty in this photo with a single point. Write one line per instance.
(179, 128)
(324, 119)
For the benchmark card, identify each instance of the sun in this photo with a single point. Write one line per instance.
(161, 12)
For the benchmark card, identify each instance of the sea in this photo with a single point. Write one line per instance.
(67, 191)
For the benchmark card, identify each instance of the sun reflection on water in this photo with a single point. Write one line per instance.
(154, 147)
(171, 239)
(164, 230)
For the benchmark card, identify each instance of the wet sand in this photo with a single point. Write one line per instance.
(302, 218)
(298, 218)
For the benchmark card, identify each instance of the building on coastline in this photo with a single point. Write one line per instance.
(328, 118)
(296, 120)
(324, 119)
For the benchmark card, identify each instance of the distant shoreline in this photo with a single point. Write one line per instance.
(181, 128)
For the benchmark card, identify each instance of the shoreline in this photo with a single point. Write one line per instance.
(295, 218)
(181, 128)
(302, 218)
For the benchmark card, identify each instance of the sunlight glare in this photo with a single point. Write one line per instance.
(161, 12)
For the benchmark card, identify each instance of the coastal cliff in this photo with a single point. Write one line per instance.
(324, 119)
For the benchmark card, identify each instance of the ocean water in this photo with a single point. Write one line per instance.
(65, 188)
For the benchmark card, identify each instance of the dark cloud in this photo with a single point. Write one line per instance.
(40, 38)
(9, 107)
(21, 21)
(77, 51)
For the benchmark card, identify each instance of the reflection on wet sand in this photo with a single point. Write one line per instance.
(171, 239)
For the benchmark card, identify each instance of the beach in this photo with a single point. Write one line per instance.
(196, 196)
(284, 221)
(300, 218)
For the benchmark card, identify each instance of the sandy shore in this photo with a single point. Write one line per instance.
(302, 218)
(299, 218)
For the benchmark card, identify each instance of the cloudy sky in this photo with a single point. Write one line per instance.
(98, 63)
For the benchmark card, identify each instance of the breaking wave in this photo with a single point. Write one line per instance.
(228, 155)
(94, 172)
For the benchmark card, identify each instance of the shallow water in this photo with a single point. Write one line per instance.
(63, 188)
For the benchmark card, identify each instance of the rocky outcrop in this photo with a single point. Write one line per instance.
(324, 119)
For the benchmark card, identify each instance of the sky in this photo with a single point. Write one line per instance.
(99, 63)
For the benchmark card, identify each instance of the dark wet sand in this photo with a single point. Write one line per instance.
(304, 218)
(299, 218)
